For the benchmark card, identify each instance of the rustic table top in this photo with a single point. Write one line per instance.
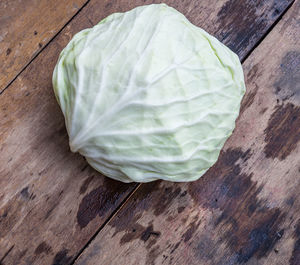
(55, 209)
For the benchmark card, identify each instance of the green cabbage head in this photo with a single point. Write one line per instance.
(147, 95)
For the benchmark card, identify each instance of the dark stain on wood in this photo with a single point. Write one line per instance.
(275, 12)
(180, 209)
(252, 74)
(251, 25)
(135, 233)
(50, 210)
(10, 214)
(248, 99)
(283, 131)
(86, 184)
(99, 201)
(263, 111)
(108, 5)
(8, 51)
(223, 180)
(141, 232)
(84, 168)
(190, 231)
(290, 201)
(175, 247)
(295, 258)
(62, 258)
(32, 196)
(43, 247)
(205, 248)
(24, 192)
(250, 95)
(166, 197)
(288, 84)
(165, 257)
(149, 232)
(128, 221)
(260, 240)
(4, 214)
(184, 193)
(152, 255)
(151, 243)
(248, 226)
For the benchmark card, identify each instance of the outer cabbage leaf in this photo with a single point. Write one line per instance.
(147, 95)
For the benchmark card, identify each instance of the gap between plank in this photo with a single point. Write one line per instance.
(42, 49)
(115, 212)
(112, 215)
(6, 254)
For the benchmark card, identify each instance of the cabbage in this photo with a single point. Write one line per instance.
(147, 95)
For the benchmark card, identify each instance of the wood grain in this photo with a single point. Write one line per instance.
(52, 203)
(26, 27)
(246, 208)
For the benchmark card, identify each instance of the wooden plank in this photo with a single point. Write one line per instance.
(246, 208)
(51, 203)
(26, 27)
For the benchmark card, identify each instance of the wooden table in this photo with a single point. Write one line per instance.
(55, 209)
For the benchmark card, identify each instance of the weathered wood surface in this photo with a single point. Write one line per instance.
(27, 26)
(51, 204)
(246, 209)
